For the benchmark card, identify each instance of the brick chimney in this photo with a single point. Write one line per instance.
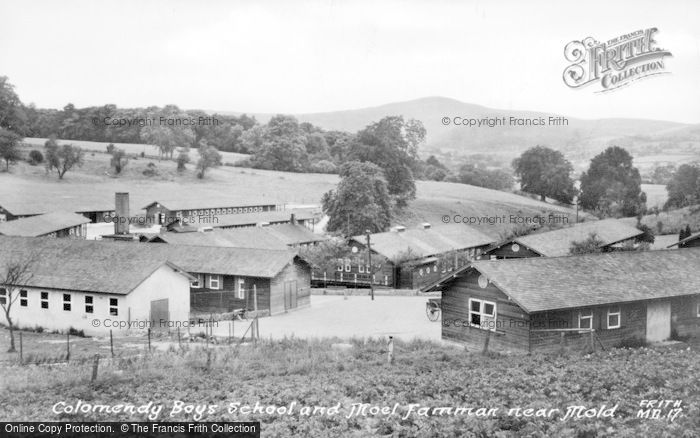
(293, 219)
(121, 204)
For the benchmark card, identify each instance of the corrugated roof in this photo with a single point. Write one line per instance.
(80, 265)
(544, 283)
(42, 224)
(558, 242)
(277, 237)
(425, 242)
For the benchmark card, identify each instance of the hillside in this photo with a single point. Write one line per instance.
(580, 139)
(93, 183)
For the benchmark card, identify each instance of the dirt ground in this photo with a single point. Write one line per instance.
(358, 316)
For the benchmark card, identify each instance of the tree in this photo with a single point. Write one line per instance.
(684, 186)
(182, 159)
(545, 172)
(360, 202)
(17, 272)
(283, 146)
(12, 114)
(477, 176)
(208, 157)
(392, 144)
(62, 158)
(612, 185)
(593, 244)
(119, 160)
(9, 147)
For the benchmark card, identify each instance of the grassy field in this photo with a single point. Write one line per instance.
(94, 183)
(129, 148)
(296, 375)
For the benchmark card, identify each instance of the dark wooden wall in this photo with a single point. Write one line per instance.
(684, 317)
(297, 273)
(512, 322)
(506, 252)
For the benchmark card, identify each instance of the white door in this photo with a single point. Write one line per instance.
(658, 321)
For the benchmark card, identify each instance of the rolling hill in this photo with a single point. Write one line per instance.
(579, 140)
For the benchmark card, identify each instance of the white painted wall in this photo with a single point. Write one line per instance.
(133, 308)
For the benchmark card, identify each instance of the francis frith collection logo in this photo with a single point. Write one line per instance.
(614, 63)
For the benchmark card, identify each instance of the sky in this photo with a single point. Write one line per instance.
(323, 55)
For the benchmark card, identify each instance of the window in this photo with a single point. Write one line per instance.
(348, 266)
(614, 317)
(44, 300)
(585, 319)
(88, 304)
(340, 265)
(229, 211)
(66, 302)
(697, 309)
(197, 283)
(361, 268)
(420, 272)
(214, 281)
(3, 296)
(240, 290)
(218, 211)
(23, 298)
(114, 307)
(435, 268)
(482, 314)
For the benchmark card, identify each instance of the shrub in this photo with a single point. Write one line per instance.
(110, 148)
(632, 342)
(75, 332)
(36, 157)
(151, 170)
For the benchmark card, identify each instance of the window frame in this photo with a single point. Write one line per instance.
(23, 298)
(609, 313)
(199, 281)
(481, 313)
(581, 316)
(89, 305)
(114, 306)
(212, 278)
(44, 301)
(67, 303)
(3, 296)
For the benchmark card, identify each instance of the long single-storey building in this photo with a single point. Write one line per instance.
(267, 237)
(265, 281)
(196, 211)
(556, 243)
(92, 286)
(407, 258)
(57, 224)
(542, 303)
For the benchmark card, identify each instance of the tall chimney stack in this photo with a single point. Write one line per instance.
(293, 219)
(121, 202)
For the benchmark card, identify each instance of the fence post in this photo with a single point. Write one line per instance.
(255, 299)
(94, 367)
(21, 350)
(179, 340)
(390, 353)
(68, 346)
(486, 342)
(111, 342)
(592, 341)
(561, 343)
(149, 339)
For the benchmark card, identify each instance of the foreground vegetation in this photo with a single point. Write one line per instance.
(318, 374)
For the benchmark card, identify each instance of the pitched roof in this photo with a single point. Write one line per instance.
(36, 207)
(42, 224)
(118, 267)
(82, 265)
(686, 240)
(270, 237)
(558, 242)
(209, 202)
(251, 219)
(544, 283)
(246, 262)
(425, 242)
